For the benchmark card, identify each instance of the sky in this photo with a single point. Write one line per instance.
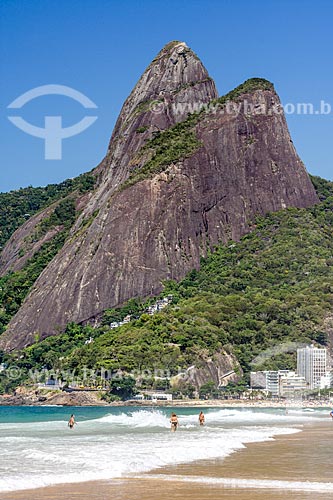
(100, 48)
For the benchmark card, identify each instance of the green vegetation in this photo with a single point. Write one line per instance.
(15, 208)
(184, 86)
(324, 188)
(247, 87)
(180, 141)
(141, 130)
(169, 46)
(134, 307)
(63, 216)
(47, 355)
(273, 287)
(121, 389)
(142, 107)
(18, 206)
(15, 286)
(208, 391)
(169, 146)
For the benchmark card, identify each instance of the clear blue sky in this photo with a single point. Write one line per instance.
(101, 47)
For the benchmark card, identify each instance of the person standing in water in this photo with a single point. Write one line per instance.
(71, 422)
(201, 418)
(174, 422)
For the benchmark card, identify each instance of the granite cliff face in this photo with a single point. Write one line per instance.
(222, 368)
(170, 188)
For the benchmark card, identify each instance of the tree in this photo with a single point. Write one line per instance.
(208, 390)
(124, 388)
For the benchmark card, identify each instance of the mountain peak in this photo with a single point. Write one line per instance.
(175, 84)
(199, 180)
(175, 77)
(175, 65)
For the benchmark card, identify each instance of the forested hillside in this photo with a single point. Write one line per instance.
(17, 206)
(272, 287)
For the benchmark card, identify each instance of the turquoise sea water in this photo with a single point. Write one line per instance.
(38, 448)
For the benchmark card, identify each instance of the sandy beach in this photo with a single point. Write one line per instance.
(276, 469)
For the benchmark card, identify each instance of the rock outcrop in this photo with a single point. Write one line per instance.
(26, 397)
(220, 369)
(166, 195)
(24, 244)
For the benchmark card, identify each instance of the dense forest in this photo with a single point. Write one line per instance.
(18, 206)
(272, 287)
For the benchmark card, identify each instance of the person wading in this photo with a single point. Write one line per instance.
(174, 422)
(201, 418)
(71, 422)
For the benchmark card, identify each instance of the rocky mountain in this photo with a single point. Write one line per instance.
(185, 170)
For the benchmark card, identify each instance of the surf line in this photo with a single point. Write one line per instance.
(244, 483)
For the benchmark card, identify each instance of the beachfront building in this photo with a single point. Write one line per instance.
(326, 381)
(157, 396)
(273, 381)
(267, 380)
(138, 397)
(312, 365)
(291, 382)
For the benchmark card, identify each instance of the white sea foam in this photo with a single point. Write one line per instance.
(141, 418)
(154, 418)
(127, 443)
(247, 483)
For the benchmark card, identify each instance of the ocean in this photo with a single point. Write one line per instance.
(38, 449)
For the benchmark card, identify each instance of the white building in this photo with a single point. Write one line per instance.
(158, 396)
(272, 382)
(138, 397)
(268, 380)
(312, 365)
(290, 383)
(326, 381)
(161, 397)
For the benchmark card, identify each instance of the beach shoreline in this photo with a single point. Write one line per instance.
(259, 470)
(209, 403)
(225, 403)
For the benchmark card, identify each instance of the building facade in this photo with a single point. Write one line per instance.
(291, 383)
(312, 365)
(268, 380)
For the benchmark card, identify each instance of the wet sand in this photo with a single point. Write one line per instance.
(305, 456)
(156, 490)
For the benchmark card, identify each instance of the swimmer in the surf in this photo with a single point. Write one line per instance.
(71, 422)
(174, 422)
